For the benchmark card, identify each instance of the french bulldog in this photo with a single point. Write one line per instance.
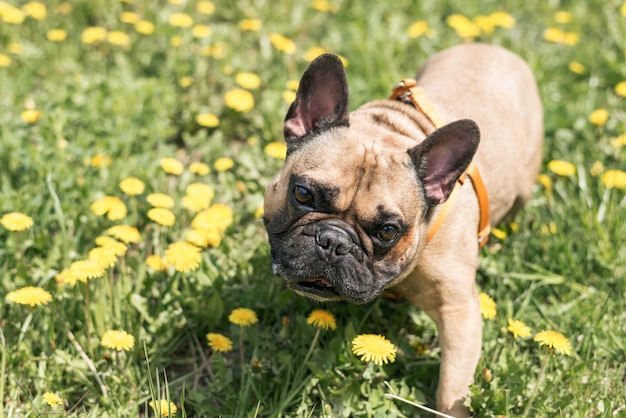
(349, 213)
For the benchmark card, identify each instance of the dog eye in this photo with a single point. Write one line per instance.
(388, 233)
(303, 195)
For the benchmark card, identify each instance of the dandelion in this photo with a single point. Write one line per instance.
(118, 248)
(129, 17)
(596, 169)
(65, 277)
(105, 256)
(620, 88)
(223, 164)
(35, 10)
(125, 233)
(52, 399)
(283, 43)
(218, 217)
(199, 168)
(83, 270)
(16, 221)
(208, 120)
(321, 318)
(277, 150)
(185, 82)
(249, 81)
(463, 26)
(56, 35)
(162, 216)
(201, 31)
(183, 256)
(289, 96)
(518, 329)
(618, 141)
(195, 203)
(259, 212)
(200, 190)
(499, 233)
(132, 186)
(487, 306)
(160, 200)
(324, 6)
(117, 340)
(180, 20)
(156, 262)
(219, 342)
(577, 67)
(374, 348)
(417, 29)
(100, 161)
(204, 237)
(554, 341)
(599, 117)
(205, 7)
(30, 295)
(111, 206)
(164, 408)
(314, 52)
(12, 15)
(4, 60)
(172, 166)
(31, 116)
(614, 179)
(93, 34)
(562, 168)
(118, 38)
(503, 20)
(239, 100)
(558, 36)
(250, 25)
(144, 27)
(243, 317)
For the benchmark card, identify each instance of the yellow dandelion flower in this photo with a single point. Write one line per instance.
(205, 7)
(185, 82)
(12, 15)
(250, 25)
(562, 17)
(156, 262)
(129, 17)
(485, 24)
(195, 203)
(83, 270)
(183, 256)
(144, 27)
(200, 190)
(117, 340)
(204, 237)
(125, 233)
(219, 342)
(417, 29)
(620, 88)
(487, 306)
(201, 31)
(93, 34)
(31, 115)
(118, 38)
(622, 9)
(176, 41)
(614, 179)
(208, 120)
(577, 67)
(199, 168)
(239, 100)
(52, 399)
(104, 256)
(289, 96)
(374, 348)
(132, 186)
(111, 206)
(596, 169)
(518, 329)
(324, 6)
(160, 200)
(283, 43)
(162, 216)
(164, 408)
(560, 37)
(218, 217)
(249, 81)
(554, 341)
(599, 117)
(463, 26)
(276, 150)
(258, 213)
(30, 295)
(498, 233)
(5, 61)
(56, 35)
(618, 141)
(35, 10)
(321, 318)
(180, 20)
(503, 20)
(100, 161)
(64, 8)
(243, 317)
(119, 248)
(292, 84)
(223, 164)
(16, 221)
(545, 181)
(314, 52)
(172, 166)
(65, 277)
(562, 168)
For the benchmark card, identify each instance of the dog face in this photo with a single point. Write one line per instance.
(346, 215)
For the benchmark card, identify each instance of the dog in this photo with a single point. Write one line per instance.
(399, 194)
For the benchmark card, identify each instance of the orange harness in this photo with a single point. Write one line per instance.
(408, 89)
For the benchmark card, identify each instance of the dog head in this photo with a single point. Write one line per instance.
(346, 215)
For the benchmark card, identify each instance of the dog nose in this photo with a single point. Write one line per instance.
(334, 242)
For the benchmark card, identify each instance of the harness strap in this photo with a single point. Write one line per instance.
(408, 91)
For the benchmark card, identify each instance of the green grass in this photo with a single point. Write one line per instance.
(561, 268)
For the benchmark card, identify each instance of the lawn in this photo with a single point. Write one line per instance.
(136, 140)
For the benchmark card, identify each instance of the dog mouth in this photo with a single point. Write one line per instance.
(318, 288)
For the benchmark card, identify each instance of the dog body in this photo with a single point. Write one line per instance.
(348, 215)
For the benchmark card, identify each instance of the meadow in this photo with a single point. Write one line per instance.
(136, 140)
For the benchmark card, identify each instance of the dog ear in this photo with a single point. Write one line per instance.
(321, 101)
(443, 156)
